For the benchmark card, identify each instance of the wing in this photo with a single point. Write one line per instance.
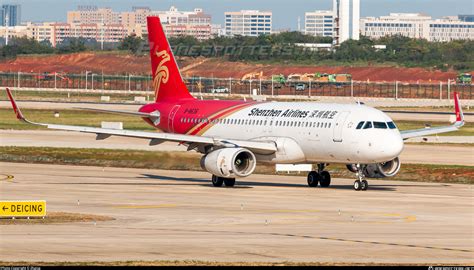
(406, 134)
(261, 147)
(141, 114)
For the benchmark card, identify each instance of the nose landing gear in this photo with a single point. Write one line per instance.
(360, 183)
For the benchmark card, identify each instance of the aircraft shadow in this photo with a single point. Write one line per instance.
(250, 184)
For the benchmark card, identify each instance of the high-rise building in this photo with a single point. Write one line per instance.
(415, 25)
(92, 14)
(347, 16)
(248, 23)
(319, 23)
(176, 23)
(466, 18)
(194, 23)
(10, 15)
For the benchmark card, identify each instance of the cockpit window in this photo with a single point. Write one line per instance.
(380, 125)
(391, 125)
(368, 125)
(359, 126)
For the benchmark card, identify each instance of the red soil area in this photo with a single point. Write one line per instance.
(79, 62)
(221, 69)
(111, 63)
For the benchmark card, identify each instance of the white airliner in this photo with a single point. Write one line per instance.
(234, 135)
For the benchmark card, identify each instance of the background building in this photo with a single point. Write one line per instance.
(319, 23)
(347, 17)
(93, 14)
(10, 15)
(415, 25)
(194, 23)
(466, 18)
(248, 23)
(176, 23)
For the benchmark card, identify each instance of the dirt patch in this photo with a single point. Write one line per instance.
(77, 63)
(122, 63)
(223, 69)
(56, 217)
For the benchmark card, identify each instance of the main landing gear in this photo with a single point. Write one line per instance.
(218, 181)
(321, 177)
(360, 183)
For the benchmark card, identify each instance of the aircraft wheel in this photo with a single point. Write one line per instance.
(325, 179)
(313, 179)
(217, 181)
(229, 182)
(357, 185)
(364, 185)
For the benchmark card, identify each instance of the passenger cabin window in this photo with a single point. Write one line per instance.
(380, 125)
(368, 125)
(359, 126)
(391, 125)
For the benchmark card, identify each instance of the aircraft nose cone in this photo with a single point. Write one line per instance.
(393, 146)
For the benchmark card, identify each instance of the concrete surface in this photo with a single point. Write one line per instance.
(443, 139)
(424, 154)
(168, 215)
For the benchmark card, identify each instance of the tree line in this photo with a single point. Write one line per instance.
(282, 48)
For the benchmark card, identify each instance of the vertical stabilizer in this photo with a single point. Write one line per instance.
(167, 81)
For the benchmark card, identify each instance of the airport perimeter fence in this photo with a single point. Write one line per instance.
(92, 81)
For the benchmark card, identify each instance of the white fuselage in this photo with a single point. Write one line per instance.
(314, 132)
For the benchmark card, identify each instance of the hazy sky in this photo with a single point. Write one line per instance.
(285, 12)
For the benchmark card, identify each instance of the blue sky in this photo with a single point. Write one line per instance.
(285, 12)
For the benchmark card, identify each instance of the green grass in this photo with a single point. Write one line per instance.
(190, 161)
(68, 117)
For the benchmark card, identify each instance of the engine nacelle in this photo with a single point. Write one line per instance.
(384, 169)
(352, 167)
(229, 162)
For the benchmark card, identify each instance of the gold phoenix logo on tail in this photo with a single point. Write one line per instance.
(162, 72)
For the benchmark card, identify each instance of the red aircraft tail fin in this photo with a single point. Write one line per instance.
(458, 109)
(167, 81)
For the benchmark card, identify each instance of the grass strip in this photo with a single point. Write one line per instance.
(190, 161)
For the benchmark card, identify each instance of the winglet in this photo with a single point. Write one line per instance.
(17, 110)
(458, 110)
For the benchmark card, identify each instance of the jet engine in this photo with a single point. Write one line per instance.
(229, 162)
(383, 169)
(378, 170)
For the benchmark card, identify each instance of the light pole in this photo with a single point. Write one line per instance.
(87, 72)
(129, 82)
(6, 28)
(309, 90)
(102, 33)
(272, 86)
(250, 87)
(92, 80)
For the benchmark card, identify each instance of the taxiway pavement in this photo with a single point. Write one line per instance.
(178, 215)
(416, 154)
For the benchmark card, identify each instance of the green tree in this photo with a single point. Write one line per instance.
(131, 43)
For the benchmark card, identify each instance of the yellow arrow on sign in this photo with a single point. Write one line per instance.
(22, 208)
